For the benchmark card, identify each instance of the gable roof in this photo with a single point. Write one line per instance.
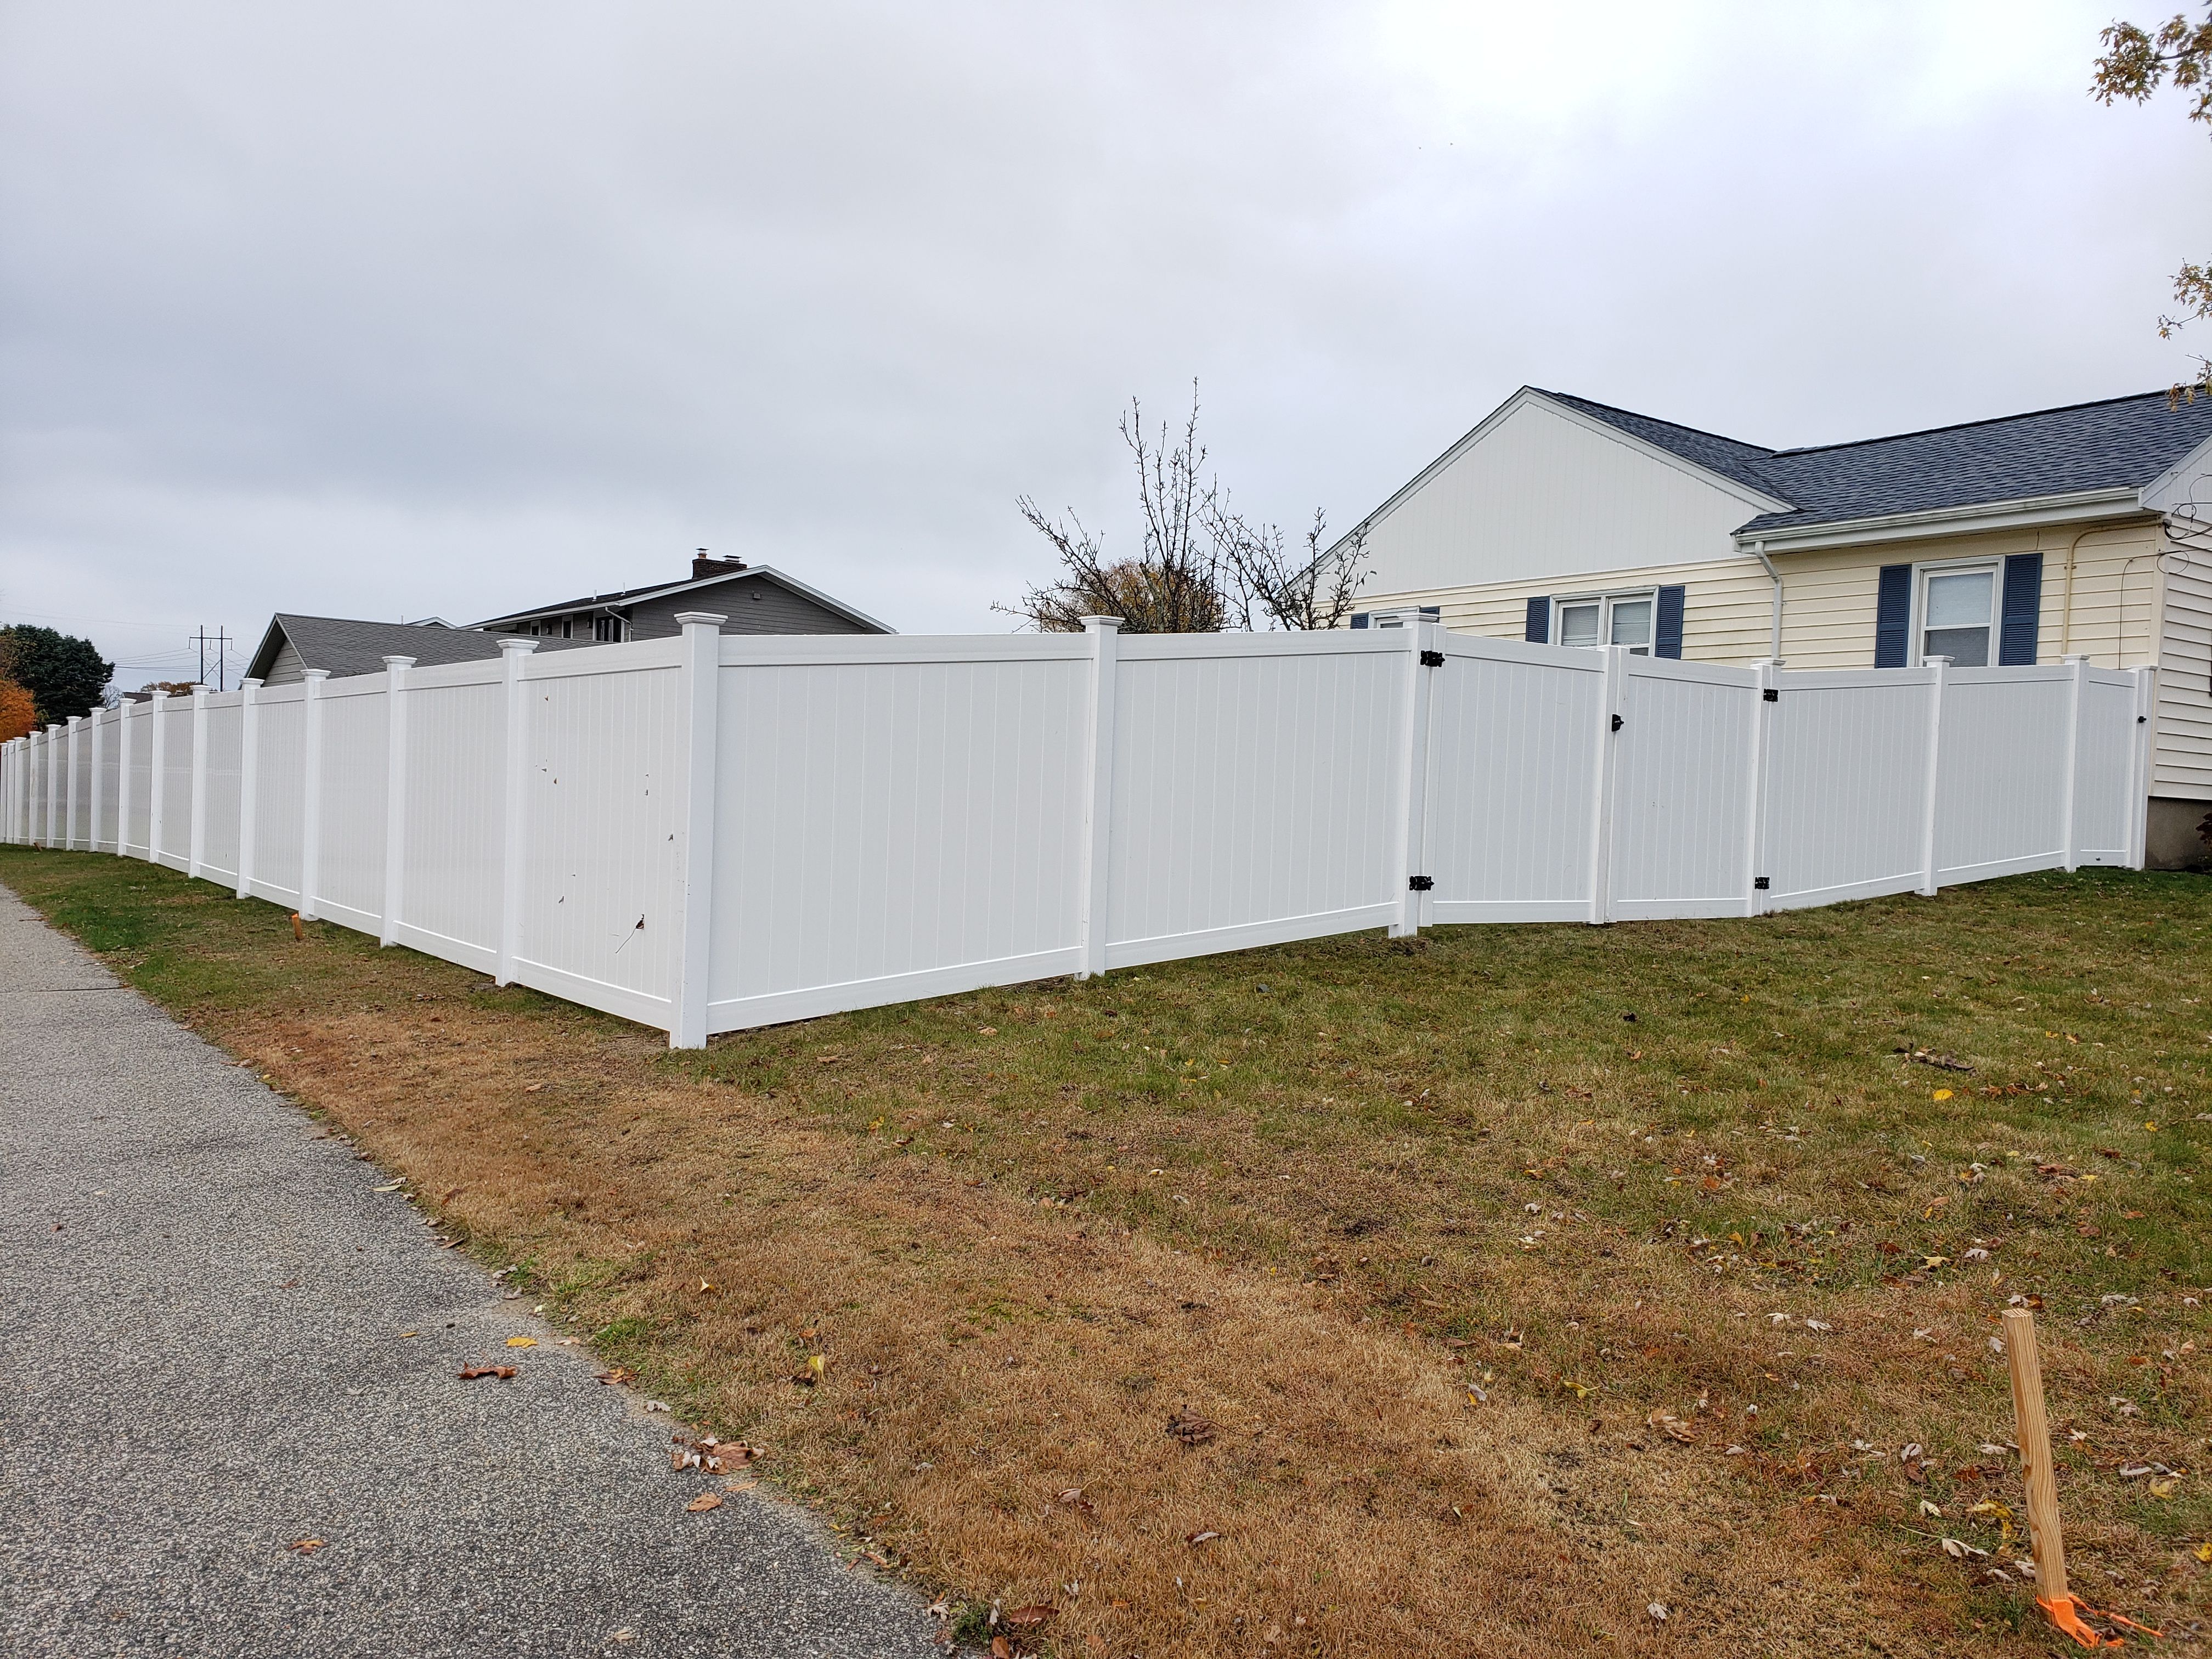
(346, 645)
(630, 596)
(1731, 457)
(2117, 444)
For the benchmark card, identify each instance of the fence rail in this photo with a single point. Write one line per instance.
(714, 832)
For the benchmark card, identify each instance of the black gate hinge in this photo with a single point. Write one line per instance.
(1759, 882)
(1432, 660)
(1618, 722)
(1769, 694)
(1420, 884)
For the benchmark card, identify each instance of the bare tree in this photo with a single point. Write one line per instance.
(1277, 584)
(2135, 63)
(1173, 585)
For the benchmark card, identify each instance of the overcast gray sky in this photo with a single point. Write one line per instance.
(396, 310)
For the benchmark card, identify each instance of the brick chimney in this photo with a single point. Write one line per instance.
(703, 566)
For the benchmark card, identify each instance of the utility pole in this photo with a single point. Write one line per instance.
(221, 641)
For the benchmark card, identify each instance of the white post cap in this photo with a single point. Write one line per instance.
(695, 618)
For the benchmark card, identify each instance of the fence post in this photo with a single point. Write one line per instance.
(199, 780)
(1936, 682)
(122, 777)
(1090, 906)
(395, 795)
(1610, 718)
(157, 786)
(249, 769)
(514, 654)
(1766, 689)
(68, 800)
(310, 775)
(98, 783)
(1412, 795)
(703, 687)
(2139, 773)
(2077, 685)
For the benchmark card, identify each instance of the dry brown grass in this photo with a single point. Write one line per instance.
(1025, 1229)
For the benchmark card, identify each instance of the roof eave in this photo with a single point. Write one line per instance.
(639, 595)
(2021, 514)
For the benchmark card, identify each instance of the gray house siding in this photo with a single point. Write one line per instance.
(753, 605)
(287, 666)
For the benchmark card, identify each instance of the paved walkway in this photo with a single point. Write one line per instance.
(200, 1364)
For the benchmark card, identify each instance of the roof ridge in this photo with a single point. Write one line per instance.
(1760, 450)
(1961, 426)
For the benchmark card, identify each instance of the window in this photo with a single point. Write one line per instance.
(1957, 614)
(1606, 619)
(607, 630)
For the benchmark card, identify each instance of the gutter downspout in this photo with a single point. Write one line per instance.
(1758, 552)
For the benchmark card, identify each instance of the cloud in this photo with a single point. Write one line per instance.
(423, 309)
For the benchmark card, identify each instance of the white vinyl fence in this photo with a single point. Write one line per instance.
(709, 833)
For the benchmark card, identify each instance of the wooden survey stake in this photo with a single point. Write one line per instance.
(2034, 1429)
(2048, 1542)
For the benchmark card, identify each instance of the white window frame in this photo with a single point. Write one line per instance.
(1605, 602)
(614, 631)
(1921, 573)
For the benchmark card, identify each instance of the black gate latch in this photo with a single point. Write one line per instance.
(1769, 694)
(1432, 660)
(1420, 884)
(1617, 722)
(1759, 882)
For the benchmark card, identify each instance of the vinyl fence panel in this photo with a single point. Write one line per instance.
(1846, 771)
(971, 748)
(225, 730)
(279, 801)
(2103, 804)
(1999, 799)
(351, 790)
(1257, 784)
(1517, 737)
(455, 763)
(602, 809)
(1681, 809)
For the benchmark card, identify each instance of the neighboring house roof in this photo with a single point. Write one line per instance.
(345, 646)
(2118, 444)
(631, 596)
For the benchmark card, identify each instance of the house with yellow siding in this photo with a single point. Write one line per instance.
(2085, 530)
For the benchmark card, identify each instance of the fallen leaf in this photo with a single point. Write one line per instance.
(307, 1546)
(1657, 1610)
(521, 1341)
(616, 1376)
(2163, 1488)
(703, 1502)
(1030, 1617)
(1942, 1094)
(1074, 1497)
(2204, 1553)
(1192, 1430)
(1194, 1539)
(1001, 1649)
(531, 1088)
(470, 1373)
(987, 1030)
(1958, 1551)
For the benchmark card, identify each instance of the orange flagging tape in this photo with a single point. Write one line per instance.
(2066, 1613)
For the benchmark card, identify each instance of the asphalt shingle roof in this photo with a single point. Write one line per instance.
(2118, 443)
(346, 645)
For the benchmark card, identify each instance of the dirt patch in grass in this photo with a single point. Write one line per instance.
(1505, 1284)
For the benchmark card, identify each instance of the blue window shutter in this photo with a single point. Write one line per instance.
(1893, 617)
(2023, 610)
(1667, 626)
(1359, 619)
(1539, 629)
